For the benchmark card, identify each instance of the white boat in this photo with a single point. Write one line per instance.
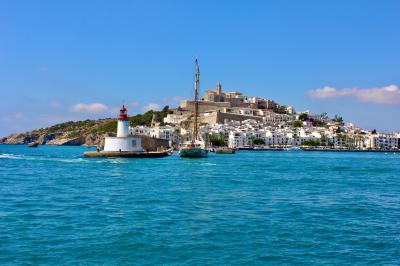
(293, 148)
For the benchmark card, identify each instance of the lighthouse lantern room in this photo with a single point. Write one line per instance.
(123, 142)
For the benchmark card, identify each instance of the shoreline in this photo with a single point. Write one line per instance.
(319, 149)
(240, 149)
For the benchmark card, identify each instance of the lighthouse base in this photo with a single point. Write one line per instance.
(124, 144)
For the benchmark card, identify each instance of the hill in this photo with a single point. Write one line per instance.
(87, 132)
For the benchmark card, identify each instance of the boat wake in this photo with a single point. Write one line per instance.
(10, 156)
(37, 158)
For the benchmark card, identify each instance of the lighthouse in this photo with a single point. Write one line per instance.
(123, 142)
(123, 129)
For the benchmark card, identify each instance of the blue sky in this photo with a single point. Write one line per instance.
(71, 60)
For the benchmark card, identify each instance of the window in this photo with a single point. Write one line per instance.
(134, 143)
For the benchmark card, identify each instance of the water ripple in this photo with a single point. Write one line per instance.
(278, 208)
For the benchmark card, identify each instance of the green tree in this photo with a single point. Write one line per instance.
(165, 109)
(338, 119)
(297, 123)
(303, 117)
(217, 140)
(318, 123)
(145, 119)
(313, 143)
(279, 109)
(258, 141)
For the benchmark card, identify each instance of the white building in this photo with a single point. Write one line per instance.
(174, 118)
(383, 141)
(160, 132)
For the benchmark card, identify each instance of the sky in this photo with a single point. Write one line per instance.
(74, 60)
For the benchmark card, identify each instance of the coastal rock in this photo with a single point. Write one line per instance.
(95, 140)
(19, 139)
(67, 141)
(45, 138)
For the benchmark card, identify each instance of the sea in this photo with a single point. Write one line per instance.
(249, 208)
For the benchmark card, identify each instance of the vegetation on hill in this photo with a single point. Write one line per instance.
(280, 109)
(297, 123)
(72, 126)
(303, 117)
(145, 119)
(338, 119)
(90, 132)
(110, 126)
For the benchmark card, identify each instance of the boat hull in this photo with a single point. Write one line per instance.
(193, 152)
(33, 145)
(225, 151)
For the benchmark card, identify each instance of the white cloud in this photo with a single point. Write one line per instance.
(151, 106)
(91, 108)
(382, 95)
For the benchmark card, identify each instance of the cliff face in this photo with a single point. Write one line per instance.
(89, 133)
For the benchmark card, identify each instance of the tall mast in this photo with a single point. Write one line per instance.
(196, 100)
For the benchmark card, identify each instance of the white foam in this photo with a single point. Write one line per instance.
(10, 156)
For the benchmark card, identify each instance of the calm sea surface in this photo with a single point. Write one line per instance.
(57, 208)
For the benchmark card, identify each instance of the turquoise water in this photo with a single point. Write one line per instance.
(266, 208)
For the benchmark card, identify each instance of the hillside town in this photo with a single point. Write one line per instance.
(242, 122)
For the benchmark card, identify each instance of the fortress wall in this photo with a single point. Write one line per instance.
(219, 117)
(205, 106)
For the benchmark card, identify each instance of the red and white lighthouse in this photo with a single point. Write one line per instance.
(123, 142)
(123, 127)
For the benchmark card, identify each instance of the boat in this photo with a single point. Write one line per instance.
(33, 144)
(195, 148)
(293, 148)
(245, 148)
(225, 150)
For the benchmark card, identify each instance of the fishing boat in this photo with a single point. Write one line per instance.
(195, 148)
(33, 144)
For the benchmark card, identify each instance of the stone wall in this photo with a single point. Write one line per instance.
(205, 106)
(218, 117)
(153, 144)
